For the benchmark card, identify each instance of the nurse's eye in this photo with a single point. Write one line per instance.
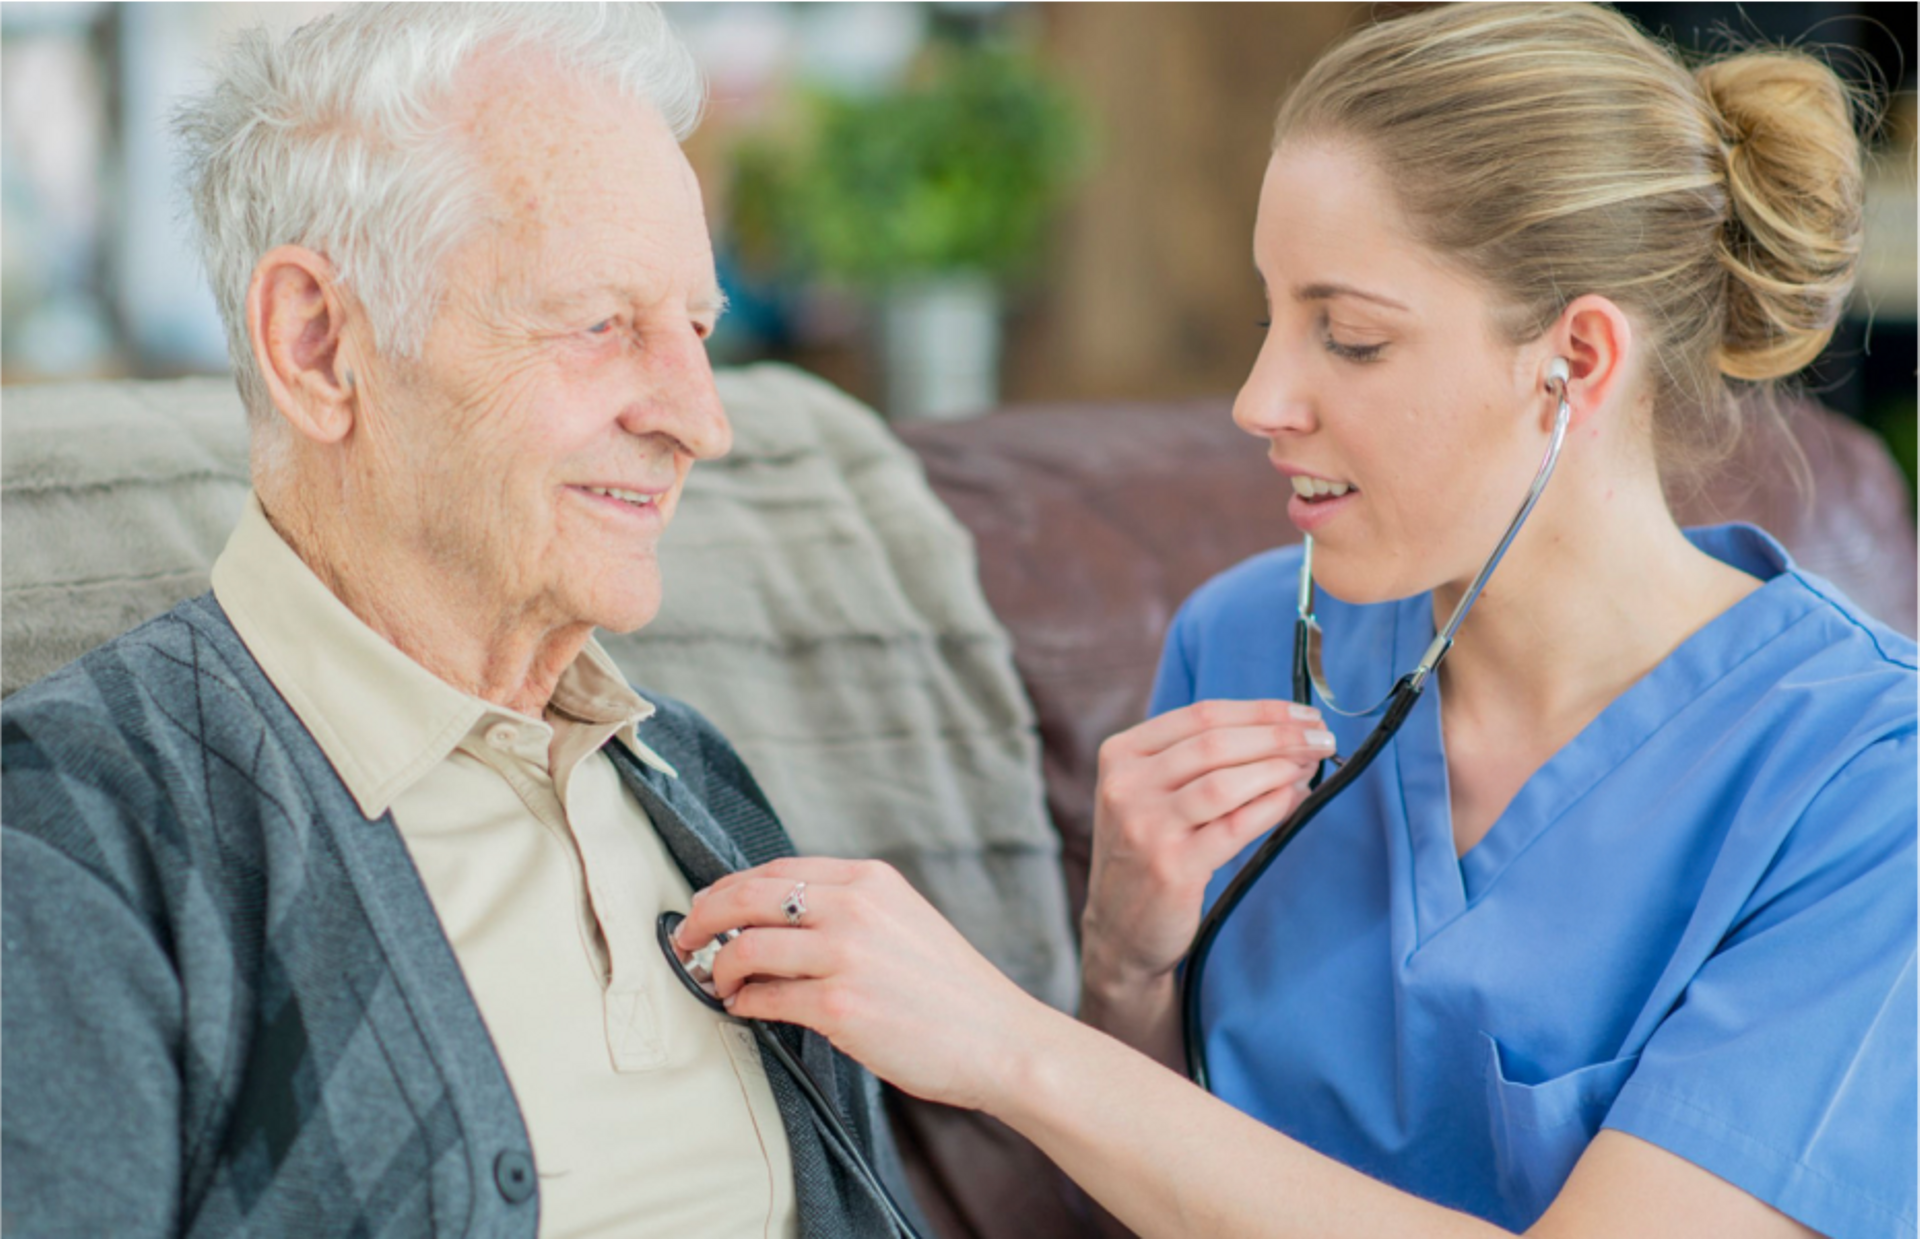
(602, 328)
(1264, 324)
(1354, 352)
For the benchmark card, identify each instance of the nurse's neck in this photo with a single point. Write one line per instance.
(1598, 588)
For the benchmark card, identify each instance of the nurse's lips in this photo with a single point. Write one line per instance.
(1316, 499)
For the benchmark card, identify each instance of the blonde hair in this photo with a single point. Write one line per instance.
(1553, 150)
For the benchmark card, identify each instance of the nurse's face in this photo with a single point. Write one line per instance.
(1408, 427)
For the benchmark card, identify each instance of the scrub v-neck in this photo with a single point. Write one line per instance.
(1447, 884)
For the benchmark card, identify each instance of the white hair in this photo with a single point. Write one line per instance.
(332, 139)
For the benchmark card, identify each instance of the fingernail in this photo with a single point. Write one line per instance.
(1306, 714)
(727, 1002)
(1318, 739)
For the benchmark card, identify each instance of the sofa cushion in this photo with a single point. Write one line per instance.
(824, 609)
(117, 497)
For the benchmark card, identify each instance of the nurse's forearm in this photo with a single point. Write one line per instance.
(1168, 1160)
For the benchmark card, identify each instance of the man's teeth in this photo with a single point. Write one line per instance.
(630, 496)
(1311, 488)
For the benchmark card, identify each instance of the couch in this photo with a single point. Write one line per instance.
(917, 639)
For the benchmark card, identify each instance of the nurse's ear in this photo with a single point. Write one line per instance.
(1595, 337)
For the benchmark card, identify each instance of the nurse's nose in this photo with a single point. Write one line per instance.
(1272, 401)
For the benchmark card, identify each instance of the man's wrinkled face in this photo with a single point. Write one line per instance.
(535, 452)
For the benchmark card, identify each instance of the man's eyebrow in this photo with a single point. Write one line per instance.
(713, 302)
(578, 297)
(1327, 291)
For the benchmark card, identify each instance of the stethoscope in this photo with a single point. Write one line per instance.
(696, 974)
(1393, 709)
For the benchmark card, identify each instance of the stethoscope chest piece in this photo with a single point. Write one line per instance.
(696, 973)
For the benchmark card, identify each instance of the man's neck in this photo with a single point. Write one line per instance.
(510, 658)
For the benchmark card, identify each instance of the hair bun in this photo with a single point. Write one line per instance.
(1791, 241)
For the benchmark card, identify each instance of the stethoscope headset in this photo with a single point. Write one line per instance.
(1308, 679)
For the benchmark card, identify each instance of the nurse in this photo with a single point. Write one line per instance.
(1617, 936)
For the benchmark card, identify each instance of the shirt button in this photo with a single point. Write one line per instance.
(502, 735)
(513, 1175)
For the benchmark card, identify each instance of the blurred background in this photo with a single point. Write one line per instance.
(944, 208)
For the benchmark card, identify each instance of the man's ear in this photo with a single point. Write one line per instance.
(296, 319)
(1596, 338)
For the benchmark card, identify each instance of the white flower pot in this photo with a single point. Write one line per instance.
(940, 347)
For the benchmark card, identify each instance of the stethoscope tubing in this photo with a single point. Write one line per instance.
(825, 1114)
(1399, 704)
(1405, 694)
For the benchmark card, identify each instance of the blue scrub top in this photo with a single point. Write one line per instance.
(1695, 923)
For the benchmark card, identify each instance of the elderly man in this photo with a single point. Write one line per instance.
(330, 898)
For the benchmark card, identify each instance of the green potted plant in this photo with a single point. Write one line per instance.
(929, 198)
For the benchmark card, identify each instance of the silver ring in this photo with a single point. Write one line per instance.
(794, 906)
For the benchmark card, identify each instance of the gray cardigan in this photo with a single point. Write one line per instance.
(228, 1005)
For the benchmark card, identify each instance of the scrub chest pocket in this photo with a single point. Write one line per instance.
(1540, 1130)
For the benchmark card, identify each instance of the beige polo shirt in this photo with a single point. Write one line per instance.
(649, 1114)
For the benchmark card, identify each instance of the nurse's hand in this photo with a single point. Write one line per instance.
(1179, 796)
(872, 967)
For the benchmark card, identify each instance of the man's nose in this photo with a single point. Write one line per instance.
(684, 402)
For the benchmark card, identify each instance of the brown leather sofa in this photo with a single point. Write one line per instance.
(1094, 522)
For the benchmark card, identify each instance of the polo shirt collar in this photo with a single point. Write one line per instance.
(381, 718)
